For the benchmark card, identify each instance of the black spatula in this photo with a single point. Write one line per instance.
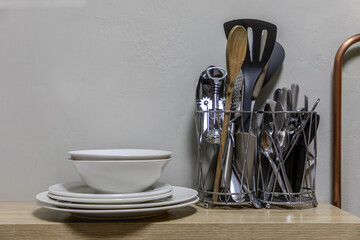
(276, 59)
(263, 36)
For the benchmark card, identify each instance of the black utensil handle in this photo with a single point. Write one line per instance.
(298, 167)
(289, 166)
(314, 122)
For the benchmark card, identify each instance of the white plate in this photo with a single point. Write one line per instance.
(111, 200)
(180, 194)
(118, 154)
(119, 213)
(81, 190)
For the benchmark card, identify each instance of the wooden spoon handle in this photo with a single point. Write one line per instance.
(235, 55)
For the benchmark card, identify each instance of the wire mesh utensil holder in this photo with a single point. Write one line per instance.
(287, 155)
(236, 156)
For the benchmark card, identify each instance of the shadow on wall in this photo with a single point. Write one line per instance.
(353, 52)
(193, 145)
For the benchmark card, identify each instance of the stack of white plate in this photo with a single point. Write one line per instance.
(81, 200)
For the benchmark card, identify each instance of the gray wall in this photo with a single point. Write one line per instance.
(121, 74)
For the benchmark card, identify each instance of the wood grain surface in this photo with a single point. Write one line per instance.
(25, 220)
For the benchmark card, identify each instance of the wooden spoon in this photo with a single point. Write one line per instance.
(235, 55)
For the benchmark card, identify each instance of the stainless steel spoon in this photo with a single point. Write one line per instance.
(282, 138)
(267, 150)
(277, 95)
(270, 128)
(256, 203)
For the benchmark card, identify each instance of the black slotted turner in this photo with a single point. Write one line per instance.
(253, 67)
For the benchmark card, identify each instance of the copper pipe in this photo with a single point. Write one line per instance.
(337, 118)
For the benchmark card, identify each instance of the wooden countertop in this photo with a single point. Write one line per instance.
(25, 220)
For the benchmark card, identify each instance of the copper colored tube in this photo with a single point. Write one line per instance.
(337, 118)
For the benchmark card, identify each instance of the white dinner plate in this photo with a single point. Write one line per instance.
(111, 200)
(119, 213)
(180, 194)
(81, 190)
(119, 154)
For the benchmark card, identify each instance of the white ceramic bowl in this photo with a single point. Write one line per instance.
(119, 154)
(120, 176)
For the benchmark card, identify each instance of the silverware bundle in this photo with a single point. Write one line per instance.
(285, 137)
(271, 163)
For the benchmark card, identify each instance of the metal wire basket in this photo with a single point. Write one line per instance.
(226, 167)
(287, 156)
(261, 159)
